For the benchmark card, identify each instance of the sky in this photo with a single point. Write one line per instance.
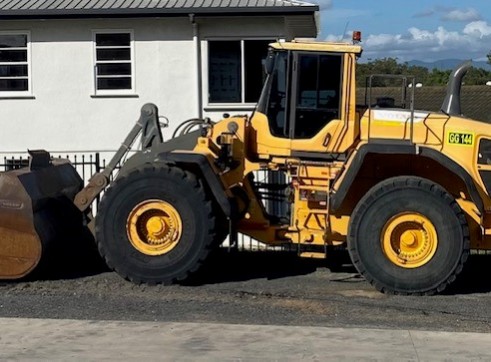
(411, 30)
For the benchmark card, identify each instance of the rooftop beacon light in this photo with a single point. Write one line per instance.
(356, 37)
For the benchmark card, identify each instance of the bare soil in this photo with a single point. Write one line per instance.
(275, 288)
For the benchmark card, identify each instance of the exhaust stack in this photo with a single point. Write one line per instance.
(451, 104)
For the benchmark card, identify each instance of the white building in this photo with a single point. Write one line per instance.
(74, 73)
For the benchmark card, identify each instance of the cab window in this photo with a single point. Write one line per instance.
(277, 105)
(318, 93)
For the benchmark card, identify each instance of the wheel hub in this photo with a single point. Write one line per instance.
(409, 240)
(154, 227)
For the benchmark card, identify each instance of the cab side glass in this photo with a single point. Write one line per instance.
(276, 110)
(318, 97)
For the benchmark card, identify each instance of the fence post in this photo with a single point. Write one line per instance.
(97, 162)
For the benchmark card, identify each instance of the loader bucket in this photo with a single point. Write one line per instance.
(36, 207)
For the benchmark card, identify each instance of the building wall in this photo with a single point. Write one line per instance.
(64, 114)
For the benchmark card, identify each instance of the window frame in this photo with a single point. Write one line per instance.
(27, 93)
(114, 92)
(206, 84)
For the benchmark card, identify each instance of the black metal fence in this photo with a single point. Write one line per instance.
(13, 163)
(85, 164)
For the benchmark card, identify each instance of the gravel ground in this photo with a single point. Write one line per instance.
(252, 288)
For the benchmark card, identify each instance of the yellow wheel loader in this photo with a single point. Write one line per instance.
(407, 192)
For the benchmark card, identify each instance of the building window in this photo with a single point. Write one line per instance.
(14, 63)
(236, 70)
(114, 70)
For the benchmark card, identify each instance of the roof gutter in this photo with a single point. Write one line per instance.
(87, 13)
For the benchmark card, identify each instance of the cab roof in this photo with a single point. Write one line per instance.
(318, 47)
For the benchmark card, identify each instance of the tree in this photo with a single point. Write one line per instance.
(435, 77)
(477, 76)
(438, 77)
(389, 66)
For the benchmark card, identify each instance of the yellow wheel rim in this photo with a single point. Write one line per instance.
(409, 240)
(154, 227)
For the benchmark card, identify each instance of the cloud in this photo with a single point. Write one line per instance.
(461, 15)
(473, 41)
(478, 29)
(424, 14)
(450, 14)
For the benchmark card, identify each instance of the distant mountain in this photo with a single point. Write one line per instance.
(445, 64)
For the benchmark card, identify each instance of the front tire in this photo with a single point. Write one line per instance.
(155, 225)
(408, 235)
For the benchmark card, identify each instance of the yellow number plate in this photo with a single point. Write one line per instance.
(460, 138)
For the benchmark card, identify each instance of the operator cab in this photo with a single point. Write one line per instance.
(306, 98)
(315, 98)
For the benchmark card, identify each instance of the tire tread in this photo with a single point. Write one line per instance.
(412, 182)
(184, 176)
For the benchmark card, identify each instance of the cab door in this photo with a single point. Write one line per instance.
(323, 104)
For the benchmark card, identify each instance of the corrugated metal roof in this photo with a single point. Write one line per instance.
(36, 8)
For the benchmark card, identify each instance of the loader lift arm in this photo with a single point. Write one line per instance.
(148, 125)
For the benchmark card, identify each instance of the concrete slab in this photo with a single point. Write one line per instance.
(50, 339)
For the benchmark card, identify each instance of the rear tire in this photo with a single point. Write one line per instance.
(408, 235)
(155, 225)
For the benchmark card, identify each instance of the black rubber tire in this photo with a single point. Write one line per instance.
(185, 193)
(408, 194)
